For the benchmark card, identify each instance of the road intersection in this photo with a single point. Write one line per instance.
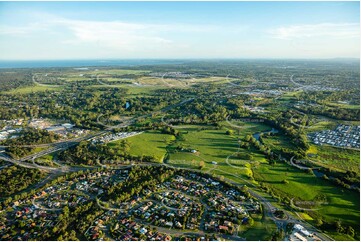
(269, 208)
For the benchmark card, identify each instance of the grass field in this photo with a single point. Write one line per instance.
(146, 82)
(261, 230)
(343, 105)
(24, 90)
(150, 143)
(48, 157)
(76, 78)
(289, 96)
(322, 125)
(157, 81)
(211, 144)
(305, 216)
(246, 128)
(278, 141)
(104, 72)
(336, 158)
(112, 79)
(117, 72)
(341, 237)
(132, 90)
(342, 204)
(214, 144)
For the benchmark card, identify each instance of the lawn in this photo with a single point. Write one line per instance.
(149, 143)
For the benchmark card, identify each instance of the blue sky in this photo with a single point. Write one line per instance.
(124, 30)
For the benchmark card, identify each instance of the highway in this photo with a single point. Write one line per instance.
(60, 146)
(268, 207)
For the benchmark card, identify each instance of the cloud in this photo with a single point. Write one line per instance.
(115, 34)
(23, 30)
(334, 30)
(110, 36)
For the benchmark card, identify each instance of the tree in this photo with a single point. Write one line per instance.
(201, 164)
(350, 231)
(250, 221)
(338, 226)
(124, 144)
(248, 156)
(310, 171)
(278, 235)
(319, 222)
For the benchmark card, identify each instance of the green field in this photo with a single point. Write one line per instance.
(262, 229)
(336, 158)
(211, 144)
(289, 96)
(340, 237)
(343, 105)
(132, 90)
(246, 128)
(342, 204)
(278, 141)
(25, 90)
(322, 125)
(214, 144)
(76, 78)
(150, 143)
(117, 72)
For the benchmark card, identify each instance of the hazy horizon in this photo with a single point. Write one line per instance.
(93, 63)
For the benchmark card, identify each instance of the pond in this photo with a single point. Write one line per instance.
(257, 135)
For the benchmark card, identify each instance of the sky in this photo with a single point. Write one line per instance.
(178, 30)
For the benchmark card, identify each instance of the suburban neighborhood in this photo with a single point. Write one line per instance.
(344, 136)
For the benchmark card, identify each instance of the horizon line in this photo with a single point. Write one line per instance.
(186, 58)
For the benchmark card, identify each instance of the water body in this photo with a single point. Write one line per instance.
(257, 135)
(318, 173)
(127, 105)
(84, 63)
